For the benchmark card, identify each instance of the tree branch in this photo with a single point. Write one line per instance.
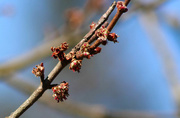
(57, 69)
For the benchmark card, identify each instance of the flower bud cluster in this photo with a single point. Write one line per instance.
(112, 37)
(121, 6)
(75, 65)
(60, 92)
(96, 50)
(58, 52)
(84, 50)
(39, 70)
(93, 24)
(102, 34)
(87, 51)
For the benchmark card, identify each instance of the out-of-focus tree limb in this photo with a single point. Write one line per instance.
(150, 24)
(28, 58)
(34, 55)
(140, 6)
(80, 109)
(173, 20)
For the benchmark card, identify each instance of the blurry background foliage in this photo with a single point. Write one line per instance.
(140, 74)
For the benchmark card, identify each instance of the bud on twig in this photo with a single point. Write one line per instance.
(58, 52)
(39, 70)
(112, 37)
(75, 65)
(60, 92)
(121, 6)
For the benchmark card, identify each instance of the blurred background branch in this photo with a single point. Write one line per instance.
(163, 50)
(78, 108)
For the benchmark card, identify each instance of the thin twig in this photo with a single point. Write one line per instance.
(109, 27)
(57, 69)
(99, 24)
(116, 17)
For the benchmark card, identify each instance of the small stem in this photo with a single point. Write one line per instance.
(28, 103)
(42, 78)
(126, 2)
(95, 44)
(114, 20)
(116, 17)
(94, 37)
(52, 85)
